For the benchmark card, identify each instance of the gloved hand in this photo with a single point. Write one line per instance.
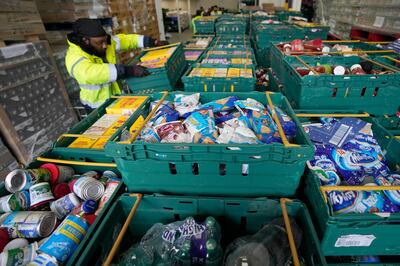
(161, 43)
(136, 71)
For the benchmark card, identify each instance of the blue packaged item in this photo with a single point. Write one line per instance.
(186, 104)
(336, 133)
(323, 166)
(360, 202)
(148, 134)
(390, 180)
(287, 123)
(221, 105)
(66, 238)
(263, 126)
(225, 116)
(201, 126)
(164, 114)
(89, 206)
(249, 104)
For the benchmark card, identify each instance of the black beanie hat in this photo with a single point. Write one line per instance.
(87, 27)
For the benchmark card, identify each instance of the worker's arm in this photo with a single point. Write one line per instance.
(132, 41)
(87, 72)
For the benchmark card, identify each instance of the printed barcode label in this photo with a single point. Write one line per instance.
(354, 241)
(340, 135)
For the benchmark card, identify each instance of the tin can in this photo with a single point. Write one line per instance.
(63, 242)
(59, 173)
(28, 224)
(87, 187)
(40, 194)
(24, 199)
(60, 190)
(63, 206)
(93, 174)
(21, 179)
(111, 187)
(108, 176)
(44, 260)
(19, 256)
(9, 203)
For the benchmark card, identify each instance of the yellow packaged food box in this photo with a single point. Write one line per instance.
(207, 72)
(125, 106)
(246, 72)
(220, 72)
(82, 142)
(196, 72)
(101, 125)
(236, 60)
(100, 143)
(233, 72)
(157, 54)
(136, 126)
(115, 126)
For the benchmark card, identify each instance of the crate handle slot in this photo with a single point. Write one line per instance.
(333, 115)
(289, 231)
(137, 132)
(378, 64)
(59, 161)
(325, 189)
(308, 66)
(172, 168)
(375, 92)
(285, 141)
(363, 91)
(121, 234)
(222, 169)
(334, 92)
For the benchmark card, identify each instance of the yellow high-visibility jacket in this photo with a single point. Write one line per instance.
(97, 79)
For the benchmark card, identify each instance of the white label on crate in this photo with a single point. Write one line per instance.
(379, 21)
(14, 50)
(354, 241)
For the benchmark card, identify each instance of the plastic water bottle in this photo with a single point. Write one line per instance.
(214, 253)
(269, 246)
(137, 256)
(213, 229)
(182, 257)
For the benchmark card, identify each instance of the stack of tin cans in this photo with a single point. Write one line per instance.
(40, 200)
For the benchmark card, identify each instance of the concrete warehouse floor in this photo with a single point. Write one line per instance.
(173, 37)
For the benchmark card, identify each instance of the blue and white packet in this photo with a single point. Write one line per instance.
(221, 117)
(249, 104)
(360, 202)
(390, 180)
(186, 104)
(323, 166)
(148, 134)
(201, 125)
(263, 126)
(164, 114)
(220, 105)
(288, 125)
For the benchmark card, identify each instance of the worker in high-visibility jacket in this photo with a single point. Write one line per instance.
(91, 60)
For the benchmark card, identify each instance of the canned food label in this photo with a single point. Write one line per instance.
(65, 173)
(110, 189)
(24, 200)
(63, 242)
(40, 192)
(44, 260)
(354, 241)
(8, 203)
(63, 206)
(39, 175)
(20, 256)
(23, 225)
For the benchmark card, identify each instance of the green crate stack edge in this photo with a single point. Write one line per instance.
(60, 146)
(169, 168)
(160, 79)
(78, 169)
(375, 94)
(238, 216)
(384, 230)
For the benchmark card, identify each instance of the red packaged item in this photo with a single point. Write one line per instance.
(314, 45)
(60, 190)
(4, 238)
(356, 69)
(297, 45)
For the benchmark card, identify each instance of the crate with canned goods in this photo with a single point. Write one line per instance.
(218, 143)
(50, 209)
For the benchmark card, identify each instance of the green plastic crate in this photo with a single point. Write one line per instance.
(331, 227)
(375, 94)
(284, 15)
(263, 56)
(264, 35)
(214, 169)
(204, 26)
(393, 61)
(215, 84)
(237, 217)
(60, 146)
(230, 27)
(228, 56)
(315, 32)
(277, 56)
(163, 78)
(191, 62)
(79, 169)
(274, 82)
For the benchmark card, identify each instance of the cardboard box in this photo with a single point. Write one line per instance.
(268, 7)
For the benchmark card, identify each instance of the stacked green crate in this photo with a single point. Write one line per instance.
(205, 25)
(161, 78)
